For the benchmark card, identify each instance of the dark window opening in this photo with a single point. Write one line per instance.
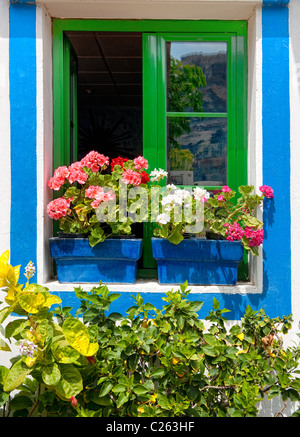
(109, 87)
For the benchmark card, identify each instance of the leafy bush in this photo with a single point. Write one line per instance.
(151, 362)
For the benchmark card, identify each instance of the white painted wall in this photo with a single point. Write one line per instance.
(151, 9)
(294, 9)
(44, 139)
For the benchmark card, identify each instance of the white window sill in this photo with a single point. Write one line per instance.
(152, 286)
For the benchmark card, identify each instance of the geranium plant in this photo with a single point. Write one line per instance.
(92, 182)
(223, 213)
(235, 219)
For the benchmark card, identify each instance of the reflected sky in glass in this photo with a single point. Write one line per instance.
(199, 155)
(211, 58)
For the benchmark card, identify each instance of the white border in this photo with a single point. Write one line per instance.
(294, 31)
(44, 153)
(5, 186)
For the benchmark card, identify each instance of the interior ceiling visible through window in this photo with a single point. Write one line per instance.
(109, 68)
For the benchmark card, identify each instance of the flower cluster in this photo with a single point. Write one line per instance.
(27, 348)
(117, 161)
(157, 175)
(234, 231)
(233, 220)
(132, 177)
(236, 220)
(75, 172)
(88, 183)
(174, 197)
(58, 208)
(99, 195)
(201, 194)
(94, 161)
(267, 191)
(255, 236)
(29, 270)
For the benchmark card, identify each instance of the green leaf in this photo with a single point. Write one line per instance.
(104, 400)
(121, 400)
(210, 339)
(210, 351)
(158, 373)
(196, 306)
(176, 237)
(105, 389)
(15, 327)
(16, 376)
(246, 189)
(140, 390)
(51, 374)
(5, 312)
(216, 304)
(4, 346)
(19, 402)
(119, 388)
(70, 383)
(78, 336)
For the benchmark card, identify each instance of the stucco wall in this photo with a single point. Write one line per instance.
(26, 127)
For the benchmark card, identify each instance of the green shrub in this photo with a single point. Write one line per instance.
(150, 362)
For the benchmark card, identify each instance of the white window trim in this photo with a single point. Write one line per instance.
(45, 156)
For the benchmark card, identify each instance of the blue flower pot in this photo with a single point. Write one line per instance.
(198, 261)
(114, 260)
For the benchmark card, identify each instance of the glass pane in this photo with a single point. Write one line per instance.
(197, 151)
(197, 76)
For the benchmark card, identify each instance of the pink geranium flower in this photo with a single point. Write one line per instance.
(140, 162)
(76, 173)
(255, 236)
(55, 183)
(267, 191)
(234, 232)
(61, 172)
(226, 189)
(58, 208)
(132, 177)
(59, 177)
(98, 194)
(94, 161)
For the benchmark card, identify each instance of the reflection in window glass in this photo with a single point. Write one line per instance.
(198, 155)
(197, 76)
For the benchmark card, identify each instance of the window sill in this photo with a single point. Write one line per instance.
(152, 286)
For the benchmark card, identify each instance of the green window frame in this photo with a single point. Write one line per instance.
(155, 35)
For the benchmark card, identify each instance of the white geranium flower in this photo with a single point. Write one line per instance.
(200, 194)
(171, 187)
(157, 175)
(163, 218)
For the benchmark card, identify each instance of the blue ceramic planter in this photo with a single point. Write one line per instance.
(198, 261)
(114, 260)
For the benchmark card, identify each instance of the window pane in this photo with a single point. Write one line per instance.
(197, 151)
(197, 76)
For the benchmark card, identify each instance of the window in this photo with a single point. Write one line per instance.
(174, 91)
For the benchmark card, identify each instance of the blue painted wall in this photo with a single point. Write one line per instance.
(22, 76)
(276, 296)
(276, 154)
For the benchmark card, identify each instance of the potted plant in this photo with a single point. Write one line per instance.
(92, 211)
(229, 226)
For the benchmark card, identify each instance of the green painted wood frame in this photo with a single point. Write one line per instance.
(155, 34)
